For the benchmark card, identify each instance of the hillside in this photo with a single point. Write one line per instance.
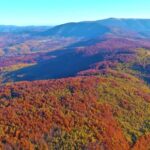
(117, 54)
(76, 113)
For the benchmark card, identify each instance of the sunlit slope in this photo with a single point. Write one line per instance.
(76, 113)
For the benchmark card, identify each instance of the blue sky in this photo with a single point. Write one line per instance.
(51, 12)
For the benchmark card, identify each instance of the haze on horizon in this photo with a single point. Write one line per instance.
(52, 12)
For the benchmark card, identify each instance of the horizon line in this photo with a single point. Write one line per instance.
(55, 24)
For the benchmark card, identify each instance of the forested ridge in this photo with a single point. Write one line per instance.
(97, 112)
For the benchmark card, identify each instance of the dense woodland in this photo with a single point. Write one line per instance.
(76, 113)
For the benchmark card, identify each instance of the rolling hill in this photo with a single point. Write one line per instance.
(95, 112)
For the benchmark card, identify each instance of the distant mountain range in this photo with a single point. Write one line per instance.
(111, 26)
(89, 29)
(16, 40)
(22, 29)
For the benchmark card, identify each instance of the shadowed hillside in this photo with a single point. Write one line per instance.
(130, 56)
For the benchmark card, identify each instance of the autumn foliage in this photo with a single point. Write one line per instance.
(63, 114)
